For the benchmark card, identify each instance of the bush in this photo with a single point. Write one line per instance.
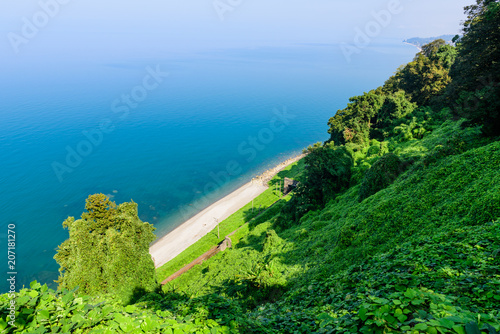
(383, 173)
(108, 251)
(456, 143)
(329, 170)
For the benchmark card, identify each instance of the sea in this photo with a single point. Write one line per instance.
(173, 133)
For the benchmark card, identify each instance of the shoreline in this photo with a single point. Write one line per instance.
(169, 246)
(418, 47)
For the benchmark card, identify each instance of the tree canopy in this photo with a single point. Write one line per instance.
(353, 123)
(107, 251)
(376, 114)
(427, 75)
(476, 73)
(328, 173)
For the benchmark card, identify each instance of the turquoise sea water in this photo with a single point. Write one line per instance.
(169, 149)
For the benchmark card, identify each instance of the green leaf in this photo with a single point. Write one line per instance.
(362, 314)
(43, 315)
(400, 288)
(20, 323)
(127, 327)
(421, 326)
(433, 323)
(446, 323)
(432, 330)
(33, 293)
(77, 318)
(417, 301)
(472, 328)
(422, 314)
(35, 285)
(66, 328)
(390, 319)
(109, 331)
(459, 329)
(22, 300)
(324, 316)
(410, 293)
(107, 310)
(130, 309)
(28, 311)
(149, 325)
(67, 298)
(3, 324)
(402, 318)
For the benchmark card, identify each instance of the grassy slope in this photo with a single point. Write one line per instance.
(422, 255)
(235, 221)
(433, 228)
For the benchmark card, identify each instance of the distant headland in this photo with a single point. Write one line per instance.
(418, 42)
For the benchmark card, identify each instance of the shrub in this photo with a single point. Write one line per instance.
(383, 172)
(329, 170)
(108, 251)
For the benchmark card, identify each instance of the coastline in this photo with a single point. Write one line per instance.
(169, 246)
(418, 47)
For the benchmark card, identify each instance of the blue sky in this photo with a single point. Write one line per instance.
(92, 28)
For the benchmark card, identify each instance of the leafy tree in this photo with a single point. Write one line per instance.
(429, 50)
(427, 76)
(352, 124)
(107, 251)
(476, 73)
(446, 55)
(396, 106)
(328, 172)
(371, 115)
(422, 79)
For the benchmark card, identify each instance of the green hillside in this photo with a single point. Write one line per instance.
(393, 228)
(426, 246)
(421, 255)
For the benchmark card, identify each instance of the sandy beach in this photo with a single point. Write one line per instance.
(195, 228)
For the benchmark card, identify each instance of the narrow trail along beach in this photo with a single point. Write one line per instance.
(174, 243)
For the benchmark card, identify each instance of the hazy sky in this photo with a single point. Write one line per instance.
(111, 27)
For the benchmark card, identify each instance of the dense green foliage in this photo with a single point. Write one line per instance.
(107, 251)
(421, 254)
(427, 75)
(463, 79)
(353, 124)
(476, 73)
(238, 222)
(383, 172)
(328, 172)
(380, 113)
(394, 227)
(389, 263)
(43, 310)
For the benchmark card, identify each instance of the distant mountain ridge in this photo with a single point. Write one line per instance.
(419, 41)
